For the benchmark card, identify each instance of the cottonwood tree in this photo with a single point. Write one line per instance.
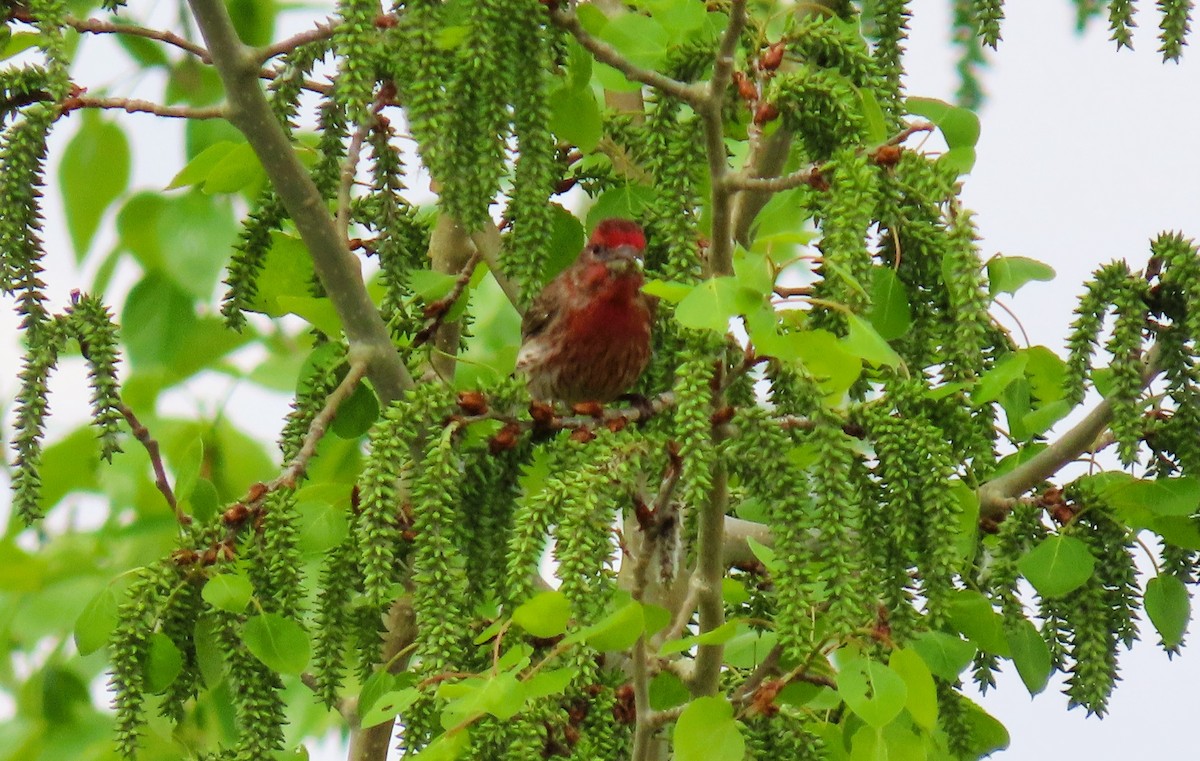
(798, 543)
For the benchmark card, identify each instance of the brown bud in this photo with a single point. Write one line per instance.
(588, 409)
(236, 515)
(745, 87)
(766, 112)
(386, 21)
(256, 492)
(542, 414)
(505, 439)
(226, 551)
(472, 402)
(582, 435)
(723, 415)
(210, 556)
(185, 557)
(616, 424)
(771, 59)
(887, 155)
(624, 709)
(817, 181)
(565, 184)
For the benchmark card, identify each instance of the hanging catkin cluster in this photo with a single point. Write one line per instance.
(827, 446)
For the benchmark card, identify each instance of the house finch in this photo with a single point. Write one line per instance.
(586, 337)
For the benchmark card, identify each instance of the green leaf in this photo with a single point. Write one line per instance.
(1006, 274)
(641, 39)
(238, 169)
(446, 747)
(890, 312)
(711, 305)
(187, 466)
(623, 201)
(93, 173)
(1164, 496)
(197, 170)
(388, 706)
(993, 382)
(357, 414)
(1057, 566)
(278, 642)
(188, 237)
(575, 118)
(616, 631)
(157, 319)
(164, 664)
(873, 116)
(545, 615)
(973, 615)
(322, 526)
(667, 691)
(827, 359)
(1030, 655)
(227, 591)
(960, 159)
(318, 312)
(706, 731)
(921, 702)
(945, 654)
(874, 692)
(986, 734)
(667, 290)
(96, 622)
(864, 342)
(1169, 607)
(959, 125)
(546, 683)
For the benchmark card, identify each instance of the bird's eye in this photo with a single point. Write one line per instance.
(595, 249)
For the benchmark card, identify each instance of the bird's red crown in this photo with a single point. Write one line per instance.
(612, 233)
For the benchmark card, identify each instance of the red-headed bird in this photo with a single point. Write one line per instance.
(586, 337)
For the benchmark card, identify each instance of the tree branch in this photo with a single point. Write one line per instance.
(337, 268)
(487, 243)
(449, 252)
(142, 434)
(997, 496)
(317, 33)
(712, 113)
(710, 570)
(134, 106)
(607, 54)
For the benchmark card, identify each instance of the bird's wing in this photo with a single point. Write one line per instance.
(538, 317)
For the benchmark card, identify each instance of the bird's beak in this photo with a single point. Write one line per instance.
(624, 259)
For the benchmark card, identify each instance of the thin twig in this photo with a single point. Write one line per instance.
(134, 106)
(605, 53)
(316, 34)
(142, 434)
(316, 429)
(813, 174)
(997, 497)
(99, 26)
(349, 168)
(436, 311)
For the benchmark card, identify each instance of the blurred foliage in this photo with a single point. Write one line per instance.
(856, 427)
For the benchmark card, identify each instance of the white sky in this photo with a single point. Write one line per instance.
(1083, 158)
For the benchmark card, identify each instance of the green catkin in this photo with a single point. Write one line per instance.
(891, 30)
(1125, 347)
(438, 569)
(29, 425)
(129, 648)
(1174, 27)
(1121, 23)
(92, 325)
(333, 620)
